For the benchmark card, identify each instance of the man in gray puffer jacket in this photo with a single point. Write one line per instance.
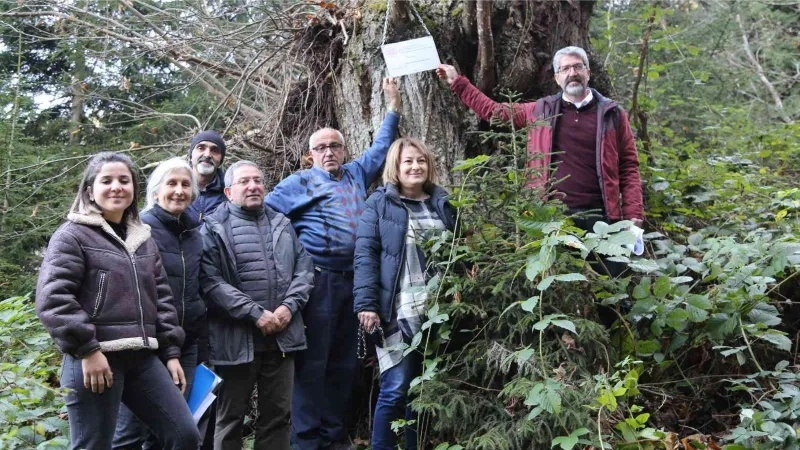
(256, 278)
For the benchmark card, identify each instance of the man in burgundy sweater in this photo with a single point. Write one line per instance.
(588, 138)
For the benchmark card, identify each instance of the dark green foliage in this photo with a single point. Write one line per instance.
(519, 340)
(519, 359)
(30, 405)
(489, 354)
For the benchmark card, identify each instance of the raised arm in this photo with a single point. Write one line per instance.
(484, 107)
(373, 158)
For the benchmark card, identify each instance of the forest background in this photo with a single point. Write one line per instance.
(703, 352)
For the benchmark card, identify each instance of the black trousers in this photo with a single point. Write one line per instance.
(273, 372)
(586, 221)
(143, 384)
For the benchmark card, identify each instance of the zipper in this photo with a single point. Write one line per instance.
(100, 296)
(270, 285)
(183, 291)
(548, 157)
(136, 280)
(202, 207)
(402, 258)
(601, 112)
(139, 296)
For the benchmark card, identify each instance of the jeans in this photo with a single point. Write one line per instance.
(273, 372)
(131, 433)
(326, 370)
(143, 384)
(393, 403)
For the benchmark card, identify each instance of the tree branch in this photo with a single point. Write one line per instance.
(486, 71)
(760, 72)
(640, 117)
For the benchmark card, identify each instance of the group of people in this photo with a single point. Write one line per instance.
(270, 289)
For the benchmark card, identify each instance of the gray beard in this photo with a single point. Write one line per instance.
(575, 90)
(205, 169)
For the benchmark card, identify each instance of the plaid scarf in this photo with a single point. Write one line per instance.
(410, 304)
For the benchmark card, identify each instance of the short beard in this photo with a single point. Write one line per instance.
(574, 90)
(205, 169)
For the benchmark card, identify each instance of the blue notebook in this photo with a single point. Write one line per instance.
(202, 393)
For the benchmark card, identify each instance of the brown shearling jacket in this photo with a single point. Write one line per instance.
(97, 292)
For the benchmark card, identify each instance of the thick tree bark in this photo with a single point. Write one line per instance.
(525, 36)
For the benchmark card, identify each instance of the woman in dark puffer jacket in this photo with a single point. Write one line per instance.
(391, 274)
(171, 188)
(103, 297)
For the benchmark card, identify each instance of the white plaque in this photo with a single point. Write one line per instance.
(407, 57)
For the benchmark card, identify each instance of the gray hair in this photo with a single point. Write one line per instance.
(338, 133)
(574, 51)
(159, 175)
(229, 174)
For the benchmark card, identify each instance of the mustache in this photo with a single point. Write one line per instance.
(205, 159)
(571, 79)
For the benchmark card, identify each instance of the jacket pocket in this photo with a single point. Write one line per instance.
(102, 288)
(293, 338)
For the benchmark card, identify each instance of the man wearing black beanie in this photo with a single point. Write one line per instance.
(206, 153)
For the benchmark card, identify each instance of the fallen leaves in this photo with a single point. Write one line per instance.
(707, 442)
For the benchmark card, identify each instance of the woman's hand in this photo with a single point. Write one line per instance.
(369, 320)
(176, 371)
(96, 372)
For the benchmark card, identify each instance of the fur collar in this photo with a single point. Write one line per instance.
(138, 233)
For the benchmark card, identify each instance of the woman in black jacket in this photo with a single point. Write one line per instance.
(102, 297)
(171, 188)
(391, 274)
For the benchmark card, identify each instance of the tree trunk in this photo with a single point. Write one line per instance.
(525, 37)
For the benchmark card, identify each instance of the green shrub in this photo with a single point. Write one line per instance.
(32, 411)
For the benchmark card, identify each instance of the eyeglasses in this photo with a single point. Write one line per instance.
(247, 181)
(334, 146)
(580, 67)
